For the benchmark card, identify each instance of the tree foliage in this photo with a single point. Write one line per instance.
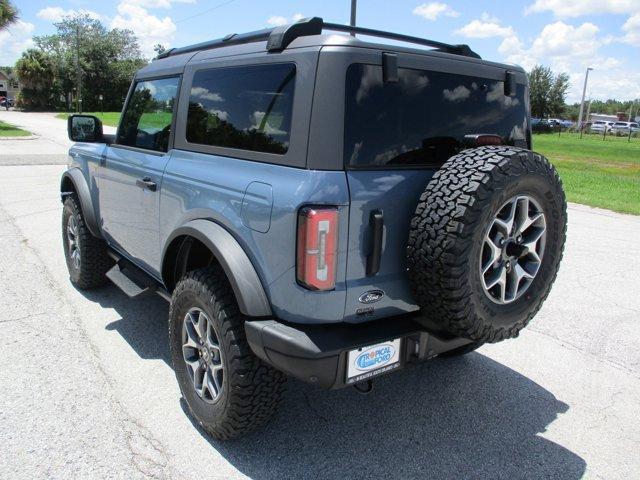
(8, 14)
(548, 91)
(82, 49)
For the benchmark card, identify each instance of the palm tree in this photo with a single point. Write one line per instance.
(8, 14)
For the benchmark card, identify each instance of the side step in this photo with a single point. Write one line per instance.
(130, 279)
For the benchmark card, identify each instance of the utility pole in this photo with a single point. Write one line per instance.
(353, 16)
(78, 74)
(584, 91)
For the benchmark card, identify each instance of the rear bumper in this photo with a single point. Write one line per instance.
(318, 354)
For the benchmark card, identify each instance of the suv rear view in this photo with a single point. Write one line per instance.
(316, 206)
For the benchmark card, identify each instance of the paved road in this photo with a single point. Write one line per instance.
(50, 146)
(86, 389)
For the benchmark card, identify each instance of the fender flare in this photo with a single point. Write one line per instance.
(75, 176)
(246, 285)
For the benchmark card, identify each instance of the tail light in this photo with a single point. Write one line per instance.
(317, 248)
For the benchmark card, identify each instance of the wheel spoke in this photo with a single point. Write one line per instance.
(494, 254)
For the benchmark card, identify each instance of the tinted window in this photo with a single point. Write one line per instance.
(242, 107)
(423, 119)
(146, 122)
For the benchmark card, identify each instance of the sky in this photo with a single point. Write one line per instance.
(566, 35)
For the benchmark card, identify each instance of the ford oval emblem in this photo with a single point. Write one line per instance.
(371, 296)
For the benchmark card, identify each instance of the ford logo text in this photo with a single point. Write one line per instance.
(371, 296)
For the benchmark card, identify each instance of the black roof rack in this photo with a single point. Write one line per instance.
(279, 38)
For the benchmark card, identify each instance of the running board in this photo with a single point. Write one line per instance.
(130, 280)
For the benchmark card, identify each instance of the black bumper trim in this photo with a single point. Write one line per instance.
(317, 354)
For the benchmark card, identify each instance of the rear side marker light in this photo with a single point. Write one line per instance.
(317, 247)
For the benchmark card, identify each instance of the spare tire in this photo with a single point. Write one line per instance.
(486, 241)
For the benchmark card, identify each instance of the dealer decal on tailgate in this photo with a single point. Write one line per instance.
(373, 360)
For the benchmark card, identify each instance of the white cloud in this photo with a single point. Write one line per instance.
(157, 3)
(457, 94)
(277, 20)
(571, 49)
(632, 30)
(15, 39)
(577, 8)
(149, 29)
(431, 11)
(206, 94)
(56, 14)
(486, 27)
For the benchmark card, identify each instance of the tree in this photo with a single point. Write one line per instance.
(8, 14)
(547, 91)
(159, 48)
(103, 60)
(36, 72)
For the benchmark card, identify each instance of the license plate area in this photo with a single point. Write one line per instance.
(372, 360)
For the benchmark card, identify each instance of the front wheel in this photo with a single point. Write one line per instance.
(227, 388)
(86, 256)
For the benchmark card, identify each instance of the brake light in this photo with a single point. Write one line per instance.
(317, 248)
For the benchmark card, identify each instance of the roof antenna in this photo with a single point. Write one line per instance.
(353, 17)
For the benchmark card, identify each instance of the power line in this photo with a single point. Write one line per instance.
(206, 11)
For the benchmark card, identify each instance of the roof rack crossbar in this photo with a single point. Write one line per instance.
(445, 47)
(231, 39)
(279, 38)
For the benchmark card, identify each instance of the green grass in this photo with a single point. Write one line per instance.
(596, 172)
(107, 118)
(8, 130)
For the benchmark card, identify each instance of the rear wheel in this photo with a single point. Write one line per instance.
(228, 390)
(486, 241)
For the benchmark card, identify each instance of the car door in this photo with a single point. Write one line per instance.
(131, 174)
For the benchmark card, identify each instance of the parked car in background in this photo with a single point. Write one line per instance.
(600, 126)
(540, 125)
(6, 102)
(623, 128)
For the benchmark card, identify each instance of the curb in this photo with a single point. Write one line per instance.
(30, 137)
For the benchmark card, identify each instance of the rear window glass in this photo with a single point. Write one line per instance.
(423, 119)
(247, 107)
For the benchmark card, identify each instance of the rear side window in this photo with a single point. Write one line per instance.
(246, 107)
(423, 119)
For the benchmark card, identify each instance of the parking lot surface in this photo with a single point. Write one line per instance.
(87, 389)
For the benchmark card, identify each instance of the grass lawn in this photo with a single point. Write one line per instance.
(596, 172)
(8, 130)
(108, 118)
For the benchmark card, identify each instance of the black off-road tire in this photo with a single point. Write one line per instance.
(447, 233)
(94, 259)
(252, 390)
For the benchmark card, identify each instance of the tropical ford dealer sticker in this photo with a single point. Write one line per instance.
(366, 362)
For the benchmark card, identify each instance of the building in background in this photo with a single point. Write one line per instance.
(9, 85)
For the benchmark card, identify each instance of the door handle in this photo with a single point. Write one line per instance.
(376, 226)
(147, 183)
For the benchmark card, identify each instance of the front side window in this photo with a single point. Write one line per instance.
(246, 107)
(146, 122)
(425, 117)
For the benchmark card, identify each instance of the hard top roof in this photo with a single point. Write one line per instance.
(306, 33)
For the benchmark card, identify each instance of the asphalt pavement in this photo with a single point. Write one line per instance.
(87, 389)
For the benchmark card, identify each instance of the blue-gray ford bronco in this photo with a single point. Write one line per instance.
(318, 206)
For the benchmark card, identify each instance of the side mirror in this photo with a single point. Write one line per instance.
(84, 128)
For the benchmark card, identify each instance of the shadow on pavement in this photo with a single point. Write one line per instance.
(468, 417)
